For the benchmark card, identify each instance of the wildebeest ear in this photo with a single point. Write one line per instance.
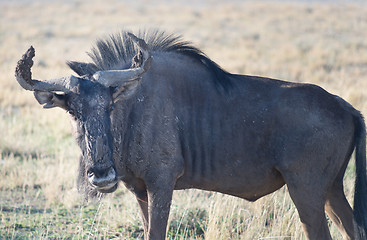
(81, 68)
(125, 90)
(50, 99)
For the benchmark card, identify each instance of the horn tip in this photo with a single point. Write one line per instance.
(30, 53)
(130, 34)
(23, 69)
(140, 42)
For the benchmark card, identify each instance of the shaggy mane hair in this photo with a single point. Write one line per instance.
(117, 51)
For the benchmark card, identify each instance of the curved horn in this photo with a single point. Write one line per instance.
(23, 75)
(115, 78)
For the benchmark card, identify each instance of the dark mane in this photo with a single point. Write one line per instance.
(117, 51)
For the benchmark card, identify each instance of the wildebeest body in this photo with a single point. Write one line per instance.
(182, 122)
(231, 141)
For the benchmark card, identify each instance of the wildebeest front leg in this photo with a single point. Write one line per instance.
(159, 202)
(138, 188)
(143, 204)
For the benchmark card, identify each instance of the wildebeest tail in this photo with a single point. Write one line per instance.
(360, 194)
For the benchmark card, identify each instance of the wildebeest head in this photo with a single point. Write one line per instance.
(89, 100)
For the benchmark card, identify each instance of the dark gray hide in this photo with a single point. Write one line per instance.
(186, 123)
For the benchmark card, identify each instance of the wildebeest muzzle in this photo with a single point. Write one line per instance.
(104, 180)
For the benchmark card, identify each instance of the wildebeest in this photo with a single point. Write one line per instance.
(157, 114)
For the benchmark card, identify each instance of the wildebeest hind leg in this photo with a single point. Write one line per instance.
(310, 206)
(339, 210)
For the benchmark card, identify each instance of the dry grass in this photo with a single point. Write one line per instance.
(322, 43)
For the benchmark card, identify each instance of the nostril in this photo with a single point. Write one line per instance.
(96, 173)
(90, 173)
(102, 173)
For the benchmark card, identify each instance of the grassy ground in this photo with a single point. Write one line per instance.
(322, 43)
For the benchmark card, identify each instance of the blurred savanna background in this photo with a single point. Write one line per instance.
(320, 42)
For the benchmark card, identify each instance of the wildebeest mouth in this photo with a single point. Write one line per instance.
(109, 188)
